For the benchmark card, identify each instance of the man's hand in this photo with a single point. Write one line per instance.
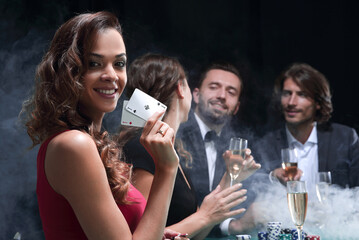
(281, 175)
(248, 165)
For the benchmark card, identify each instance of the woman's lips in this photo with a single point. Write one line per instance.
(106, 92)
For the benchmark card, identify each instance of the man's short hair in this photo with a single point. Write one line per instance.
(313, 83)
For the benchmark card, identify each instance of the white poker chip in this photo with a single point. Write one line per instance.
(243, 237)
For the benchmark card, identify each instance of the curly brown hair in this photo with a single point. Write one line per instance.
(313, 83)
(158, 76)
(58, 87)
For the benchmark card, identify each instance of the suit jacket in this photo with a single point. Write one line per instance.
(338, 152)
(191, 137)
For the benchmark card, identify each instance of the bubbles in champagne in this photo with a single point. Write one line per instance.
(297, 203)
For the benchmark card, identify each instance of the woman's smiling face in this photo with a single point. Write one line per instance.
(106, 75)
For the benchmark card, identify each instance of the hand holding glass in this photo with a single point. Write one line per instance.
(238, 147)
(289, 162)
(297, 197)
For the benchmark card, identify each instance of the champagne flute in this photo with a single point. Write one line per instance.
(297, 197)
(238, 147)
(323, 181)
(289, 162)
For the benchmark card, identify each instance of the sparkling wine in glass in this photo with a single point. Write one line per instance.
(323, 181)
(289, 162)
(297, 197)
(238, 147)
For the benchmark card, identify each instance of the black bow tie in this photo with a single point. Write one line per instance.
(211, 136)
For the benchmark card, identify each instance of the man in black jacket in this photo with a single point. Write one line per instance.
(305, 100)
(207, 132)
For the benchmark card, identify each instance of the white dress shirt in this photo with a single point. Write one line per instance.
(211, 151)
(307, 158)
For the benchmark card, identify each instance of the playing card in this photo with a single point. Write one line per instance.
(143, 105)
(130, 119)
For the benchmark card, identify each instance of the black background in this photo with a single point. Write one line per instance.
(261, 37)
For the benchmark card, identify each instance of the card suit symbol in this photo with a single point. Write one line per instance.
(147, 107)
(158, 104)
(134, 111)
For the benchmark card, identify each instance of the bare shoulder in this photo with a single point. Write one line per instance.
(72, 140)
(71, 157)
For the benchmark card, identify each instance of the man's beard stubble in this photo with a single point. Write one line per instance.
(210, 116)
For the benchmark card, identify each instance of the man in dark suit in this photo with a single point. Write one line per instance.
(305, 101)
(207, 132)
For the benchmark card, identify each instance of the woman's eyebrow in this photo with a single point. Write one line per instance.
(101, 56)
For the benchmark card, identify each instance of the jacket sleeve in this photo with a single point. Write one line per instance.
(354, 160)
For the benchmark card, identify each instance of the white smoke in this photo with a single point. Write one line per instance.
(337, 219)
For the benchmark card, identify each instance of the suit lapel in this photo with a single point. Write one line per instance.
(323, 149)
(191, 134)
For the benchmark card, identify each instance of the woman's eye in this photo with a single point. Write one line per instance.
(120, 64)
(93, 64)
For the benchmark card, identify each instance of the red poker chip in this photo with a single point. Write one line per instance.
(312, 237)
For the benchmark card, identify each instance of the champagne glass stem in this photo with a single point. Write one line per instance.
(299, 230)
(231, 184)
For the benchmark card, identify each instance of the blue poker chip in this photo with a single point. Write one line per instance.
(262, 236)
(294, 233)
(243, 237)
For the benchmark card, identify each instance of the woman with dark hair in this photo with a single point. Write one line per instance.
(83, 190)
(164, 79)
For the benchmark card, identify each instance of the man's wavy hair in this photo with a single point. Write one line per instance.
(313, 83)
(158, 76)
(54, 106)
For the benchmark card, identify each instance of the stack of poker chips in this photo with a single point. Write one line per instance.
(243, 237)
(286, 234)
(262, 235)
(295, 234)
(283, 234)
(273, 230)
(285, 237)
(312, 237)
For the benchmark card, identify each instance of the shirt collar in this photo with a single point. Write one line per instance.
(202, 126)
(313, 138)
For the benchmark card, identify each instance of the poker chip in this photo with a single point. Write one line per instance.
(285, 236)
(243, 237)
(294, 233)
(286, 231)
(273, 230)
(312, 237)
(262, 235)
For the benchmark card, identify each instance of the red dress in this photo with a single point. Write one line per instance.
(59, 220)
